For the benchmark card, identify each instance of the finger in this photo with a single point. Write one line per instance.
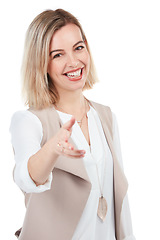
(62, 146)
(67, 149)
(66, 145)
(73, 153)
(68, 125)
(77, 155)
(64, 135)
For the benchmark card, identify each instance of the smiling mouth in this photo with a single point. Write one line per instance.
(77, 75)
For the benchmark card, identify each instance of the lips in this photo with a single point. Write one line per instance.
(74, 75)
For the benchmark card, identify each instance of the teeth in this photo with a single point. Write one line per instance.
(74, 74)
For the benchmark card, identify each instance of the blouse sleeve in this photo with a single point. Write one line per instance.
(125, 214)
(26, 135)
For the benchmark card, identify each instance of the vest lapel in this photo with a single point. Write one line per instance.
(74, 166)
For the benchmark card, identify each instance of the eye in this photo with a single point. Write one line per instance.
(57, 55)
(79, 47)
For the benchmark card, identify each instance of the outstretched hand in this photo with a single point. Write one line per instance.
(61, 141)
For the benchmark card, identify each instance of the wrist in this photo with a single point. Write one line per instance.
(51, 147)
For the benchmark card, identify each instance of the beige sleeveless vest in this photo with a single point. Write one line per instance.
(54, 214)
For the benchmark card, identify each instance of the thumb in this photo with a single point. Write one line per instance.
(68, 125)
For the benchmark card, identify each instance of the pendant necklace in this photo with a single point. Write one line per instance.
(102, 205)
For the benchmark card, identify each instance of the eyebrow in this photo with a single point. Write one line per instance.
(59, 50)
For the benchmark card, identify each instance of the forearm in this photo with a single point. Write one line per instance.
(42, 163)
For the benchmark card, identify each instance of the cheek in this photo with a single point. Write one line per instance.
(53, 69)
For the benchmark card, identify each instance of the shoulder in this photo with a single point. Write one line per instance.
(105, 114)
(105, 108)
(23, 119)
(100, 106)
(102, 109)
(44, 114)
(49, 119)
(23, 115)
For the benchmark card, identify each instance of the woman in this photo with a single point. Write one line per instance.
(67, 151)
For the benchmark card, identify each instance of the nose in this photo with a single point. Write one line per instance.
(72, 60)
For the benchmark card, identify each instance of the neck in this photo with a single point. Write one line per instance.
(72, 103)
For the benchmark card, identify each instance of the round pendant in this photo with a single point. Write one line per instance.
(102, 208)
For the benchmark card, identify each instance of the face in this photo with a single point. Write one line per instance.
(69, 59)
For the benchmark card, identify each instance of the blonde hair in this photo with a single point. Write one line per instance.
(37, 88)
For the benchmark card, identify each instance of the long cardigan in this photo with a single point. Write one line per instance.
(55, 213)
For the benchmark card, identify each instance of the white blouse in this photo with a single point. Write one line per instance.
(27, 133)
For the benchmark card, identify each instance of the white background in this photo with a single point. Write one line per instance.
(124, 37)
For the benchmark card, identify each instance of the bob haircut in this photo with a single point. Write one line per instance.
(37, 88)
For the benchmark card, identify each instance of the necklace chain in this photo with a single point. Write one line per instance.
(102, 205)
(85, 113)
(100, 187)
